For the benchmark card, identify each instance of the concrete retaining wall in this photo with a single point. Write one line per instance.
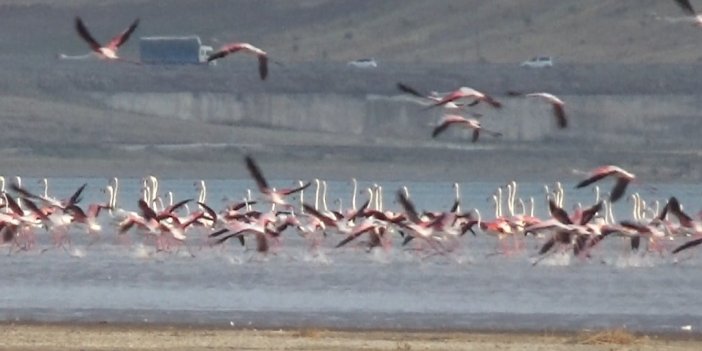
(608, 119)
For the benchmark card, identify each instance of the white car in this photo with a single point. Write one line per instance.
(364, 63)
(538, 62)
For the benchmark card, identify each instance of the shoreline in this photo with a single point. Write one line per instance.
(378, 164)
(165, 326)
(95, 336)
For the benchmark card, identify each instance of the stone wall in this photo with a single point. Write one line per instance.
(666, 120)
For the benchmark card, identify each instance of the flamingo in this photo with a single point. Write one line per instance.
(687, 224)
(108, 52)
(688, 9)
(244, 47)
(569, 230)
(623, 179)
(456, 207)
(202, 190)
(500, 226)
(474, 124)
(433, 98)
(89, 217)
(467, 93)
(556, 103)
(345, 224)
(272, 195)
(51, 202)
(354, 184)
(263, 229)
(419, 227)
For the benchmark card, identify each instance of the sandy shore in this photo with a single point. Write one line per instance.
(173, 338)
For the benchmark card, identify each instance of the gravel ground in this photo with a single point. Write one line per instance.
(173, 338)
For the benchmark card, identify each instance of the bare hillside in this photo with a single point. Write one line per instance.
(631, 31)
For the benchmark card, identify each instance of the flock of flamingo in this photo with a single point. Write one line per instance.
(262, 223)
(270, 217)
(109, 52)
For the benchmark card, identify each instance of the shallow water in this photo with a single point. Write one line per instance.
(352, 288)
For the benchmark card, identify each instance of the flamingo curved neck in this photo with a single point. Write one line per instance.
(202, 196)
(110, 194)
(154, 188)
(46, 188)
(560, 194)
(353, 194)
(115, 190)
(302, 196)
(370, 196)
(324, 195)
(457, 190)
(499, 203)
(316, 194)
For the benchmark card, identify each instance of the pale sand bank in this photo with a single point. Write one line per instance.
(174, 338)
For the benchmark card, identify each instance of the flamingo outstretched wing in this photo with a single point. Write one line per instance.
(122, 38)
(85, 34)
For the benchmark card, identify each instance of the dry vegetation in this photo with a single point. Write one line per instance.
(617, 336)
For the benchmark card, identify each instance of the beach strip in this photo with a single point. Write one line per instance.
(97, 336)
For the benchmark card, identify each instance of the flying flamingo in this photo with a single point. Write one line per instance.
(89, 217)
(623, 179)
(688, 9)
(467, 93)
(435, 98)
(556, 103)
(474, 124)
(245, 47)
(50, 202)
(109, 51)
(272, 195)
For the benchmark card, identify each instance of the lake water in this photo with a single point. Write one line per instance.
(352, 288)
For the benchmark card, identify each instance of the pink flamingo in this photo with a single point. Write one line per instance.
(556, 103)
(448, 120)
(623, 179)
(467, 93)
(89, 217)
(244, 47)
(272, 195)
(109, 51)
(435, 98)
